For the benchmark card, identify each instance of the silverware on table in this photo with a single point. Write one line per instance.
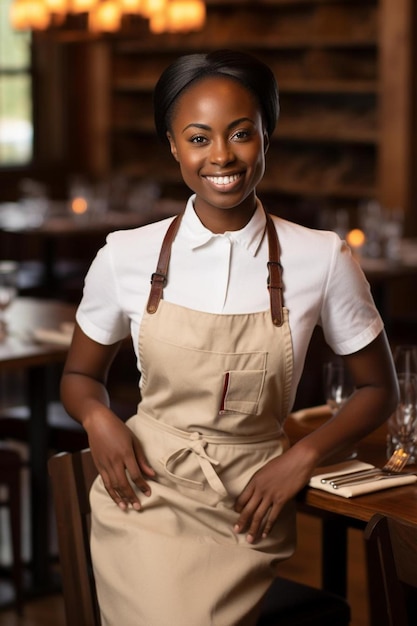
(365, 479)
(394, 465)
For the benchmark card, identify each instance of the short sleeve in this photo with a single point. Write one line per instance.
(100, 314)
(349, 317)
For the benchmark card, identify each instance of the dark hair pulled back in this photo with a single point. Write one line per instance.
(186, 70)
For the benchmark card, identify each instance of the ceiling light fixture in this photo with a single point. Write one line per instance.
(106, 16)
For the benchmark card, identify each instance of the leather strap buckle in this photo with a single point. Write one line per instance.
(157, 277)
(273, 274)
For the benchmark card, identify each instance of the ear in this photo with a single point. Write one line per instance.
(172, 146)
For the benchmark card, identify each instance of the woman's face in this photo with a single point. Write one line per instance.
(218, 137)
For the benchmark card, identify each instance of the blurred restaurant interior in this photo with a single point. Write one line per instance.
(79, 158)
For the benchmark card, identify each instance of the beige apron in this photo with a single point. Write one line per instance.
(215, 390)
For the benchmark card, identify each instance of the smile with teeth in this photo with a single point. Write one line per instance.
(223, 180)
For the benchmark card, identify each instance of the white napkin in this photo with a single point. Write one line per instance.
(362, 488)
(61, 335)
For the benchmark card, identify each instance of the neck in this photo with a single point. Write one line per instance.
(219, 220)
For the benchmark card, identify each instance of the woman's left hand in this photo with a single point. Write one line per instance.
(374, 399)
(268, 491)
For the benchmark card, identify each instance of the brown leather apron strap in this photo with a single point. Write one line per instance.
(159, 277)
(275, 284)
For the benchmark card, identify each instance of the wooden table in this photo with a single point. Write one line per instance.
(87, 231)
(20, 351)
(338, 514)
(383, 274)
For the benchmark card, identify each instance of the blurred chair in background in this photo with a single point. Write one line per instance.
(391, 549)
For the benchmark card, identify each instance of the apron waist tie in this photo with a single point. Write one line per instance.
(196, 446)
(195, 443)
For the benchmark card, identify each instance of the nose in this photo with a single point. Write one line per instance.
(221, 152)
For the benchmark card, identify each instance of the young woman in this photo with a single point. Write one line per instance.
(194, 504)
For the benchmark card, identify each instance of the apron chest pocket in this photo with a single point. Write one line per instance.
(242, 391)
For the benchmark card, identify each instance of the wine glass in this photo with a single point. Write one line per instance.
(337, 385)
(8, 291)
(402, 425)
(405, 359)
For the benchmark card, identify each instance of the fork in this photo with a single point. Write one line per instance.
(394, 465)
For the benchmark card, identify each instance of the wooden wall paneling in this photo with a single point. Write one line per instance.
(88, 98)
(343, 68)
(99, 106)
(395, 97)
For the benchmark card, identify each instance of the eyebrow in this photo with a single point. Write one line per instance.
(230, 126)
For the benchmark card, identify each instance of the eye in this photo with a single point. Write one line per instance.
(199, 139)
(241, 135)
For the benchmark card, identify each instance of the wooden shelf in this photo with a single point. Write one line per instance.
(329, 57)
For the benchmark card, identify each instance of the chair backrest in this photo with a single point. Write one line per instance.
(391, 549)
(72, 476)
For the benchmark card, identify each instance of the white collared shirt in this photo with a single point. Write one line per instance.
(227, 273)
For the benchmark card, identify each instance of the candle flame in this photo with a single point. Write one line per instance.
(79, 206)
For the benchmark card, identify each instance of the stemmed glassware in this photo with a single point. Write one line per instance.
(337, 385)
(402, 425)
(8, 291)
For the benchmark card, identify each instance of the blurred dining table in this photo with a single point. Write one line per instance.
(22, 351)
(384, 273)
(338, 513)
(60, 224)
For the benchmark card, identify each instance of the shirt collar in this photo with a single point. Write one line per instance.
(249, 237)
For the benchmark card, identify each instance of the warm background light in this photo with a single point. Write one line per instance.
(81, 6)
(355, 238)
(177, 16)
(185, 15)
(29, 14)
(105, 17)
(79, 206)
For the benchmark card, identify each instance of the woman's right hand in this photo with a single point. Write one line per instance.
(114, 447)
(115, 450)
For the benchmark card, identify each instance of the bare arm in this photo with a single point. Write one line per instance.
(281, 479)
(114, 447)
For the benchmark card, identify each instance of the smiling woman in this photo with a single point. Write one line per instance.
(195, 499)
(16, 120)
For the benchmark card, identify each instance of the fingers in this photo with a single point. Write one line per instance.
(270, 520)
(258, 514)
(120, 488)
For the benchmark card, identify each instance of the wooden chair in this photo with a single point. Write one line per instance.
(286, 604)
(391, 551)
(10, 467)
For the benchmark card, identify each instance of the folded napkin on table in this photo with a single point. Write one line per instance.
(61, 335)
(356, 490)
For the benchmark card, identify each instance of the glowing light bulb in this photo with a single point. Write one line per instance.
(356, 240)
(29, 14)
(186, 15)
(79, 206)
(106, 17)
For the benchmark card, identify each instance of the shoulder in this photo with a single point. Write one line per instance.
(147, 235)
(136, 246)
(302, 243)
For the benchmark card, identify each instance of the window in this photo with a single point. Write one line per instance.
(16, 110)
